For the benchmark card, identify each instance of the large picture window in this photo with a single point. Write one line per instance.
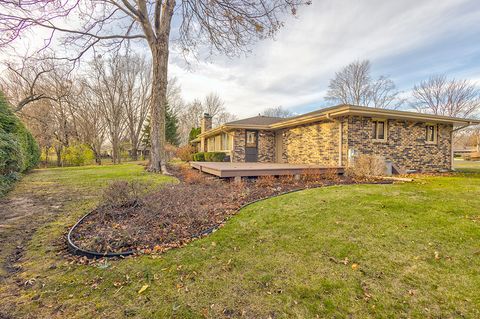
(380, 130)
(431, 133)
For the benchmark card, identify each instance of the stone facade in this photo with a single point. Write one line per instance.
(405, 145)
(318, 143)
(266, 146)
(238, 151)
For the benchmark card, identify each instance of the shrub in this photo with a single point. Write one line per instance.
(78, 155)
(199, 157)
(185, 153)
(266, 181)
(367, 166)
(170, 151)
(19, 151)
(191, 176)
(215, 156)
(124, 193)
(312, 175)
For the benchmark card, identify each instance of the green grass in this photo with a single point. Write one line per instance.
(416, 246)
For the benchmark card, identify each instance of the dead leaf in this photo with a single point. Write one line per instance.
(144, 287)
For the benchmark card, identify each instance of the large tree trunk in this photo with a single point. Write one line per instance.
(159, 48)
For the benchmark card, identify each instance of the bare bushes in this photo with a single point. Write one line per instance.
(364, 166)
(124, 193)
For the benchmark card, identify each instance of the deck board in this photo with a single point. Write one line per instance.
(227, 169)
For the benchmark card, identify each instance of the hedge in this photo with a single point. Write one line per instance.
(199, 157)
(209, 156)
(19, 151)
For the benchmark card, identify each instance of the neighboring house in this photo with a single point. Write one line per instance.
(334, 136)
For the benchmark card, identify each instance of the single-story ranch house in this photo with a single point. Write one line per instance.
(333, 136)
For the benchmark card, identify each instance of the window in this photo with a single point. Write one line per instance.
(225, 142)
(380, 130)
(211, 144)
(431, 133)
(251, 139)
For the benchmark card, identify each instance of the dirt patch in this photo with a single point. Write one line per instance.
(175, 214)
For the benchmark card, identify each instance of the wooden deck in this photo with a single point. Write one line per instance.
(226, 169)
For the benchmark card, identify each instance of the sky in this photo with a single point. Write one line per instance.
(408, 40)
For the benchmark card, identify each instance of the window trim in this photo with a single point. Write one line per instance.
(435, 133)
(375, 129)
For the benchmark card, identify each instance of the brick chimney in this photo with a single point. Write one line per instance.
(206, 122)
(205, 126)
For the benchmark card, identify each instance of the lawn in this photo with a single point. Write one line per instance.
(360, 251)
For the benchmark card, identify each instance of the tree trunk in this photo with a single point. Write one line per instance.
(58, 151)
(159, 48)
(134, 154)
(46, 156)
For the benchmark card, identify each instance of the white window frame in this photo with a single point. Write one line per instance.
(427, 133)
(376, 130)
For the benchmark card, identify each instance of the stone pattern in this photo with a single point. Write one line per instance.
(315, 143)
(266, 146)
(238, 151)
(405, 145)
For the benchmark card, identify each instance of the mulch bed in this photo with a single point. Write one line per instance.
(172, 215)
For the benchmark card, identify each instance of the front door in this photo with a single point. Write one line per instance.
(251, 146)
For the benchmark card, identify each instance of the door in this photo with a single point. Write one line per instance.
(251, 146)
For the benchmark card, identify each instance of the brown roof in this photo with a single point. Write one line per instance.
(257, 120)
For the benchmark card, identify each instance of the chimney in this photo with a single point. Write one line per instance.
(206, 122)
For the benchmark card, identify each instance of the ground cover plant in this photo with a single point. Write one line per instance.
(129, 218)
(406, 250)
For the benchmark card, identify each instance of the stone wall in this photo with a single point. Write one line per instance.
(238, 151)
(266, 146)
(315, 143)
(405, 146)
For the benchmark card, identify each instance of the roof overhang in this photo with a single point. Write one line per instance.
(346, 110)
(333, 112)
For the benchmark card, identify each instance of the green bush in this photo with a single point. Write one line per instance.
(78, 155)
(214, 156)
(199, 157)
(19, 151)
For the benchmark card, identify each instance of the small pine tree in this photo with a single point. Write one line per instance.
(171, 127)
(171, 130)
(194, 132)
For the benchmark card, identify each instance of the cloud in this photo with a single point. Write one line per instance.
(406, 39)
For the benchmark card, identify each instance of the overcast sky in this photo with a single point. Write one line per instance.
(407, 40)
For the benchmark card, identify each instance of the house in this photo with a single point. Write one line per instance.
(333, 136)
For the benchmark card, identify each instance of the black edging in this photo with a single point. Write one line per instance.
(74, 249)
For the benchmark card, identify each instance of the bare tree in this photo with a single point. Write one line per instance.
(277, 111)
(136, 78)
(226, 26)
(354, 85)
(438, 95)
(106, 84)
(21, 83)
(89, 121)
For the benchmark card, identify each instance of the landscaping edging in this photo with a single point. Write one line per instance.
(75, 250)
